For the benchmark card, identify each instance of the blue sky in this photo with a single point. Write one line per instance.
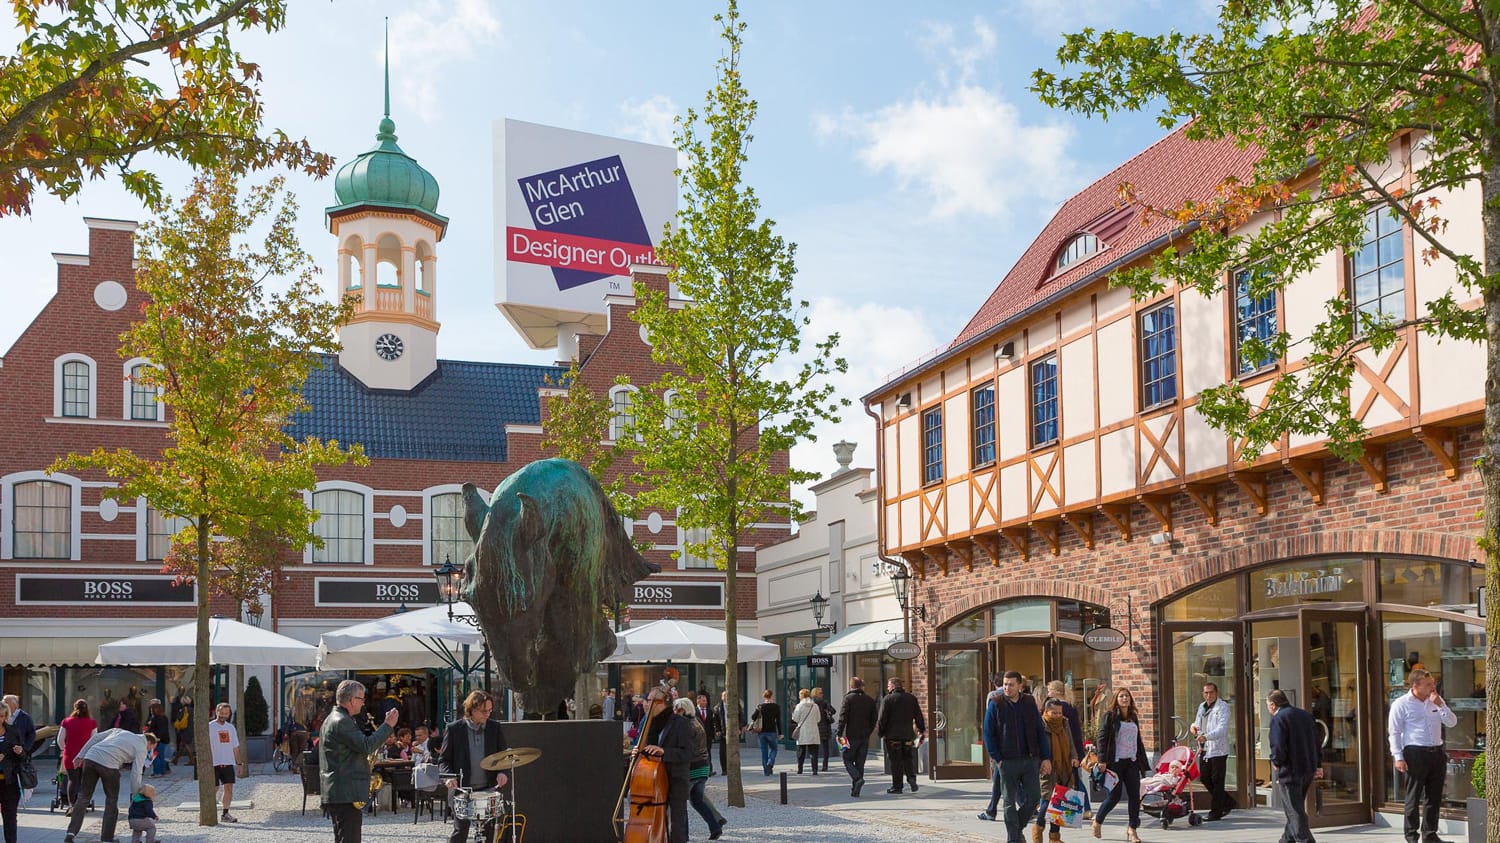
(897, 144)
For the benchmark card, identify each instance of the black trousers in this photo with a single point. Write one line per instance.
(1293, 793)
(10, 800)
(723, 755)
(804, 750)
(826, 742)
(854, 759)
(75, 779)
(348, 822)
(903, 756)
(1426, 768)
(679, 788)
(93, 774)
(1212, 771)
(1129, 788)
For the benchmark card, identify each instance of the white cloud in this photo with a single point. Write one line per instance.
(427, 41)
(651, 120)
(966, 147)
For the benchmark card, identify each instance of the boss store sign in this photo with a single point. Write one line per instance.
(364, 591)
(106, 589)
(682, 595)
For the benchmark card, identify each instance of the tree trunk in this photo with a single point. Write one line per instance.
(237, 698)
(202, 683)
(730, 538)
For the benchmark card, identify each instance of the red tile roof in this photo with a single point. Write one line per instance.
(1164, 174)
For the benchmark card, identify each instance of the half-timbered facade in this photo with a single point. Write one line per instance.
(1048, 474)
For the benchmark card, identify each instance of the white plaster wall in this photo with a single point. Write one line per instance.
(1078, 467)
(1076, 318)
(981, 366)
(1452, 372)
(893, 526)
(1013, 491)
(1117, 461)
(1205, 446)
(1200, 341)
(928, 391)
(892, 479)
(910, 444)
(1116, 373)
(911, 509)
(1110, 301)
(1077, 386)
(957, 501)
(1161, 471)
(1465, 235)
(1306, 299)
(1011, 412)
(956, 421)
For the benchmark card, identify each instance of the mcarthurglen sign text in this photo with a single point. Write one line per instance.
(1297, 583)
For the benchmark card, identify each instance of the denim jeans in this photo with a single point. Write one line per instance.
(768, 741)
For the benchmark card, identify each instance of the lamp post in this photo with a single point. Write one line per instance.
(449, 579)
(901, 584)
(819, 606)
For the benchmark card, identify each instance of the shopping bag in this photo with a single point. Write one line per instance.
(1111, 781)
(1066, 807)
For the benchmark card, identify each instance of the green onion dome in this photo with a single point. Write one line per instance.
(386, 176)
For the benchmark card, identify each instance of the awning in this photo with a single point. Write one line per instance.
(862, 638)
(50, 652)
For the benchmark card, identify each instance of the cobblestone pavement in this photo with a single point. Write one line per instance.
(819, 810)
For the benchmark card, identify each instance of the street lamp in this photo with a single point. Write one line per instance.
(901, 584)
(819, 606)
(253, 613)
(449, 578)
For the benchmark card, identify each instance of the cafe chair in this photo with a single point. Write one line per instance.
(310, 786)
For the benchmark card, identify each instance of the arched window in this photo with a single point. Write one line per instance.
(341, 526)
(622, 411)
(142, 401)
(42, 520)
(1080, 247)
(73, 391)
(676, 408)
(450, 539)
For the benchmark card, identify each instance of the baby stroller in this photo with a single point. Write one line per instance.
(1168, 795)
(60, 801)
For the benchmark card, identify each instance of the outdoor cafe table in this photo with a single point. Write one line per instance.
(387, 764)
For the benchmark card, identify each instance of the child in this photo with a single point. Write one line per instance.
(143, 814)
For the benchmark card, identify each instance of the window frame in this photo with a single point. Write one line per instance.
(1033, 421)
(146, 514)
(1352, 275)
(932, 445)
(430, 495)
(1237, 323)
(59, 388)
(693, 535)
(1143, 357)
(132, 391)
(618, 427)
(983, 434)
(1067, 256)
(310, 554)
(8, 485)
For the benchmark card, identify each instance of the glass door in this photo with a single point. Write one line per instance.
(1200, 657)
(1333, 671)
(1274, 666)
(1030, 655)
(955, 711)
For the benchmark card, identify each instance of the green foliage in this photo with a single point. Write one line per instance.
(229, 358)
(716, 452)
(80, 96)
(257, 711)
(1476, 776)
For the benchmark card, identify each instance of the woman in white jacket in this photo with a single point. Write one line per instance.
(805, 719)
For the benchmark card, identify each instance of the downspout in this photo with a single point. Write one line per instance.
(880, 515)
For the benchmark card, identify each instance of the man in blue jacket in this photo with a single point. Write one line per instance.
(1296, 755)
(1020, 749)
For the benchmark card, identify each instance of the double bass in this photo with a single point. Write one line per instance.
(646, 782)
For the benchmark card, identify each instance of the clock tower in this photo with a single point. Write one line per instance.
(387, 227)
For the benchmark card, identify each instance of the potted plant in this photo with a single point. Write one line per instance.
(1477, 804)
(257, 722)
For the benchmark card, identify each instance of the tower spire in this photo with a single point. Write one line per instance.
(387, 66)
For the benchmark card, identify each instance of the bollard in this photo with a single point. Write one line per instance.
(783, 788)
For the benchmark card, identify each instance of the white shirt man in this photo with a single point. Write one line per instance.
(1211, 726)
(1416, 735)
(225, 744)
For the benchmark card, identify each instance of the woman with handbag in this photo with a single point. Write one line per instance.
(1064, 771)
(15, 764)
(1124, 754)
(75, 731)
(805, 719)
(766, 724)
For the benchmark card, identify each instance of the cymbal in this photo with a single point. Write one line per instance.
(505, 759)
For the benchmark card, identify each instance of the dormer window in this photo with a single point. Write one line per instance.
(1080, 247)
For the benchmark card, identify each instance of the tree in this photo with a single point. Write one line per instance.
(716, 452)
(76, 99)
(1324, 89)
(229, 357)
(257, 711)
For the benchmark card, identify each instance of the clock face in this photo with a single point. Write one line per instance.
(388, 346)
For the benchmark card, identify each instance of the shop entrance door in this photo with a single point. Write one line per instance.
(1031, 655)
(1333, 671)
(955, 711)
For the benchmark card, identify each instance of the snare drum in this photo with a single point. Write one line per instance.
(479, 805)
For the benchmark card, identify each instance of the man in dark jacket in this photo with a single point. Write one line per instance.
(669, 736)
(465, 743)
(855, 725)
(1018, 744)
(1297, 759)
(711, 729)
(900, 725)
(344, 761)
(826, 715)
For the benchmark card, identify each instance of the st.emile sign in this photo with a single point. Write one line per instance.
(686, 595)
(372, 592)
(107, 589)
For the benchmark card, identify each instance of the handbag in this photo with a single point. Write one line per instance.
(754, 728)
(182, 720)
(26, 775)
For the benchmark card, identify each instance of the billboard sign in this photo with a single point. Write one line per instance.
(573, 212)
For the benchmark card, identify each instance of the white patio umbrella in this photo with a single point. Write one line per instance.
(229, 642)
(671, 640)
(415, 639)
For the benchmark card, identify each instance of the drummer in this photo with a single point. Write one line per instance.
(465, 744)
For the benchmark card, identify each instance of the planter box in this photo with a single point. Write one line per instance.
(1477, 809)
(258, 749)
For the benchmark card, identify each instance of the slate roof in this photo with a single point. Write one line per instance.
(459, 413)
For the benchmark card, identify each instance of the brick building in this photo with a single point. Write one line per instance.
(1046, 475)
(80, 570)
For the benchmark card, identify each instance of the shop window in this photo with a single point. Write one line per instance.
(341, 526)
(43, 525)
(450, 539)
(982, 408)
(1021, 616)
(1377, 270)
(105, 689)
(1044, 401)
(1432, 584)
(309, 697)
(970, 627)
(694, 550)
(932, 446)
(1214, 602)
(1158, 328)
(1078, 618)
(1254, 319)
(159, 532)
(1454, 653)
(1307, 581)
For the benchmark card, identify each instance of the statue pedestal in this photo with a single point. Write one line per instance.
(568, 795)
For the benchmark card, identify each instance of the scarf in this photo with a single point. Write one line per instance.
(1062, 747)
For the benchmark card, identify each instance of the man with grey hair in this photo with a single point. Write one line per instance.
(21, 722)
(344, 760)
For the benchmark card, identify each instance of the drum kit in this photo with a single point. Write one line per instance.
(491, 815)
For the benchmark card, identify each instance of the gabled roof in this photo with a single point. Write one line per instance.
(459, 413)
(1164, 174)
